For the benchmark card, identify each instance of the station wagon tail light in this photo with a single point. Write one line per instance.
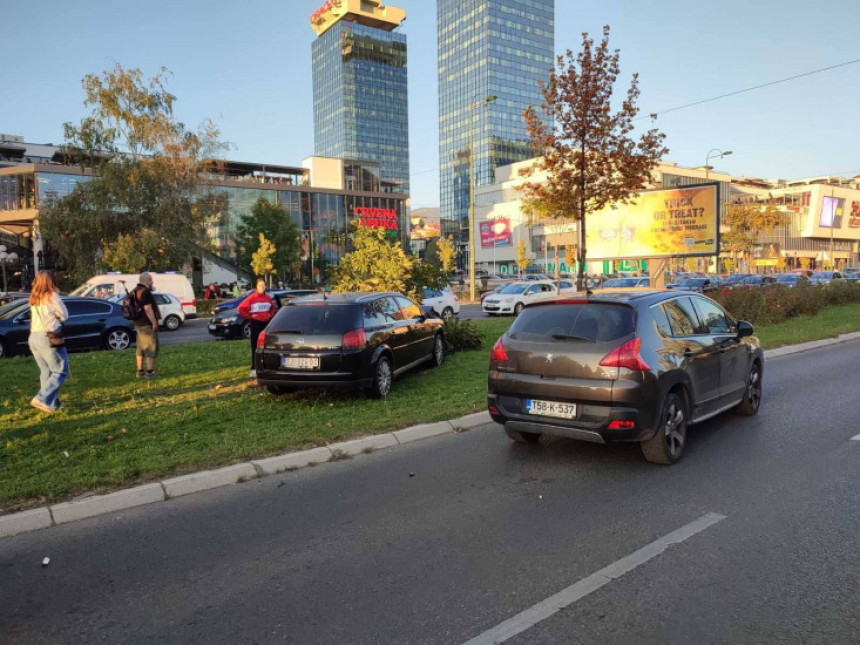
(261, 340)
(498, 353)
(355, 339)
(627, 356)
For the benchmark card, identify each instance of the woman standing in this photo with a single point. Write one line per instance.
(259, 308)
(47, 314)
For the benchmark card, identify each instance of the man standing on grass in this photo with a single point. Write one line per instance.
(259, 308)
(146, 326)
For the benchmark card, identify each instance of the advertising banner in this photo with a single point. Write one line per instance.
(425, 228)
(496, 232)
(674, 222)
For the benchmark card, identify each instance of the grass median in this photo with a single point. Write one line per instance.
(116, 430)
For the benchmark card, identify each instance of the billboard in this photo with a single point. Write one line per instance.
(496, 232)
(674, 222)
(831, 212)
(425, 228)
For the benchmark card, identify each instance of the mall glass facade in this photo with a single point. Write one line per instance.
(487, 48)
(360, 98)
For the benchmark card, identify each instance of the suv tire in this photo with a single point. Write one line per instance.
(667, 445)
(752, 396)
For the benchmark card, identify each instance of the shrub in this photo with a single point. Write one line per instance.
(773, 305)
(462, 334)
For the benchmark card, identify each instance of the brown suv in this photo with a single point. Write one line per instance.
(623, 366)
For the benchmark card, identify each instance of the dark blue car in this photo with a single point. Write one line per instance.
(92, 324)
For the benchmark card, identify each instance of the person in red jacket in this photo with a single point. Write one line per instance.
(259, 308)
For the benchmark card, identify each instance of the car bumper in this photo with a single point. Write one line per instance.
(302, 380)
(499, 309)
(225, 330)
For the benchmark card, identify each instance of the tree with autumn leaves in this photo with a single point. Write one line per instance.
(588, 159)
(744, 224)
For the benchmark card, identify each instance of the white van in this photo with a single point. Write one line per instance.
(115, 284)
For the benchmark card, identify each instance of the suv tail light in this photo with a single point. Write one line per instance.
(627, 356)
(261, 340)
(355, 339)
(498, 353)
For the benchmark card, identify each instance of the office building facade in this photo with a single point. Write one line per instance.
(360, 86)
(487, 48)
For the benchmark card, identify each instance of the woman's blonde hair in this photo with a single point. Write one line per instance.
(43, 287)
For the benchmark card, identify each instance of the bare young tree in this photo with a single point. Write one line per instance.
(588, 159)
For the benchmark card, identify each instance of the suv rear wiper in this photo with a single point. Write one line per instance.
(570, 337)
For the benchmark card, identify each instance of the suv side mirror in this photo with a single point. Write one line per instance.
(744, 329)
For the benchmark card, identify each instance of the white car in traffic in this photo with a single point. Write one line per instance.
(514, 297)
(443, 302)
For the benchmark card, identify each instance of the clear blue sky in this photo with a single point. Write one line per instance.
(247, 65)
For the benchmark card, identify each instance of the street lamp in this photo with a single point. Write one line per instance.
(710, 155)
(6, 258)
(486, 101)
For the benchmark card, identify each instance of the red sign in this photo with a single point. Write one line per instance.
(854, 217)
(377, 217)
(496, 232)
(330, 4)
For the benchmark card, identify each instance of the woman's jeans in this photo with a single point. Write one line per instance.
(53, 365)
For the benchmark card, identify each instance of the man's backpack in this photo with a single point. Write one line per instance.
(131, 309)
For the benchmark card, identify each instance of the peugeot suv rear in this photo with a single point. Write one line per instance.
(637, 366)
(360, 340)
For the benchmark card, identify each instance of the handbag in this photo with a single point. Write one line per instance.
(55, 338)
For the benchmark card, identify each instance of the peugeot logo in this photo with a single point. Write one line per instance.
(300, 341)
(549, 358)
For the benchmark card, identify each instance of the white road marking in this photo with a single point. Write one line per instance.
(857, 438)
(546, 608)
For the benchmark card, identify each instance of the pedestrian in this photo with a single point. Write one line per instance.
(207, 292)
(47, 315)
(259, 309)
(146, 326)
(236, 290)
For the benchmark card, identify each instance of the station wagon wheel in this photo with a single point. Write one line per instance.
(172, 322)
(117, 339)
(246, 330)
(667, 444)
(518, 309)
(3, 352)
(447, 313)
(382, 378)
(438, 350)
(752, 396)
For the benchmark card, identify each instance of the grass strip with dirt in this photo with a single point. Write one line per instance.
(116, 430)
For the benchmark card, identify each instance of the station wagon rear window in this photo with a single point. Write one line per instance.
(316, 318)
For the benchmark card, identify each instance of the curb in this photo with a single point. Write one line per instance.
(788, 350)
(52, 515)
(95, 505)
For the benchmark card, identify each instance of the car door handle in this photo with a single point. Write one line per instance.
(688, 352)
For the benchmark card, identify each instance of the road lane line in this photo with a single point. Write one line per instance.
(857, 438)
(546, 608)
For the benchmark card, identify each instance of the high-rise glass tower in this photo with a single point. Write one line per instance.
(487, 48)
(360, 91)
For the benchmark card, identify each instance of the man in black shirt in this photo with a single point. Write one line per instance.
(146, 326)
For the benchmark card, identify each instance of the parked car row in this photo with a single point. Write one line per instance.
(515, 296)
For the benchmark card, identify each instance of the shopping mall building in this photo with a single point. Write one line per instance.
(823, 226)
(322, 197)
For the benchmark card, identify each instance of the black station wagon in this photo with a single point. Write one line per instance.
(360, 340)
(623, 366)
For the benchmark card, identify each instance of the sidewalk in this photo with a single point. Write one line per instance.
(160, 491)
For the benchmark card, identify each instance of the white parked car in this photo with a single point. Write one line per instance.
(171, 315)
(514, 297)
(443, 301)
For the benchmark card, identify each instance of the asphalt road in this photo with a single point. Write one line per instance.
(361, 551)
(195, 331)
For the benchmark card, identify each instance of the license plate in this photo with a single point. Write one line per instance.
(300, 363)
(551, 408)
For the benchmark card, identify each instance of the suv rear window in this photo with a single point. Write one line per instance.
(593, 322)
(312, 319)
